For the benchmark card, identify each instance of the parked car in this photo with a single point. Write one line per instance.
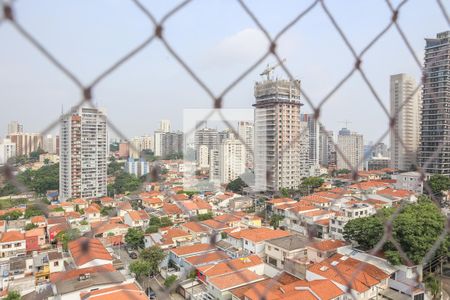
(131, 253)
(150, 293)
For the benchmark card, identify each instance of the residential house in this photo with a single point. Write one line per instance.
(12, 244)
(35, 239)
(252, 241)
(137, 218)
(87, 252)
(367, 283)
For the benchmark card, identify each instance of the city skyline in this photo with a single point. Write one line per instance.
(244, 43)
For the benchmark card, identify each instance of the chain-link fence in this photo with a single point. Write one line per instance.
(156, 34)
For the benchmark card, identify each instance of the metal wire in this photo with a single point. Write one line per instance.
(158, 27)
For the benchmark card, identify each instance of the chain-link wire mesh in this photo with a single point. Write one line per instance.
(157, 33)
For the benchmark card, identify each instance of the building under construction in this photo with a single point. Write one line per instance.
(277, 133)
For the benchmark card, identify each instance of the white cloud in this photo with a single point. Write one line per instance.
(244, 47)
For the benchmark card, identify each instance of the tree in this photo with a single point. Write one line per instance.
(32, 212)
(416, 228)
(152, 229)
(433, 286)
(13, 295)
(140, 267)
(203, 217)
(365, 231)
(65, 236)
(155, 221)
(135, 238)
(343, 171)
(154, 255)
(285, 192)
(114, 166)
(125, 182)
(30, 226)
(312, 182)
(166, 221)
(237, 185)
(13, 215)
(275, 220)
(439, 183)
(170, 280)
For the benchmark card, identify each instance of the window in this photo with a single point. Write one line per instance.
(56, 263)
(419, 297)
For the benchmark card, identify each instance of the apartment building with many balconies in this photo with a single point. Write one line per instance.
(84, 154)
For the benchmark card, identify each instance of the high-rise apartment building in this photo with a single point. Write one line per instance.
(435, 116)
(246, 132)
(7, 150)
(124, 149)
(314, 138)
(83, 154)
(305, 165)
(164, 126)
(351, 144)
(25, 142)
(171, 143)
(15, 127)
(404, 135)
(277, 134)
(232, 157)
(50, 144)
(327, 155)
(208, 137)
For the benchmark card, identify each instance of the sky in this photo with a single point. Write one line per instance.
(219, 41)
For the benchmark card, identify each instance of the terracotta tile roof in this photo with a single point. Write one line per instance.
(12, 236)
(327, 245)
(38, 219)
(171, 209)
(153, 200)
(35, 232)
(325, 289)
(341, 269)
(106, 199)
(227, 218)
(280, 200)
(129, 291)
(92, 209)
(72, 215)
(173, 233)
(323, 222)
(74, 273)
(107, 227)
(316, 199)
(84, 250)
(180, 197)
(230, 266)
(79, 201)
(192, 249)
(138, 215)
(257, 235)
(210, 257)
(236, 279)
(56, 220)
(316, 213)
(214, 224)
(328, 195)
(395, 193)
(195, 227)
(366, 185)
(124, 205)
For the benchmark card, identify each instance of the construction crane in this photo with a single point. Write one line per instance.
(268, 71)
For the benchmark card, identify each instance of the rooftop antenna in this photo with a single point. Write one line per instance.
(269, 69)
(346, 122)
